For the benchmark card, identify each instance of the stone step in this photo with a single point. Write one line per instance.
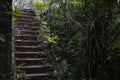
(26, 17)
(38, 74)
(27, 53)
(34, 23)
(28, 13)
(34, 66)
(31, 47)
(30, 55)
(24, 20)
(27, 23)
(26, 42)
(41, 76)
(26, 37)
(32, 62)
(26, 28)
(27, 32)
(27, 48)
(30, 59)
(24, 23)
(35, 69)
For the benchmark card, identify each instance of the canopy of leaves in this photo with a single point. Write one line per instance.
(39, 6)
(15, 13)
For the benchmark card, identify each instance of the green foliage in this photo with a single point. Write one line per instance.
(116, 43)
(67, 72)
(51, 38)
(20, 74)
(46, 35)
(2, 38)
(88, 34)
(15, 13)
(39, 6)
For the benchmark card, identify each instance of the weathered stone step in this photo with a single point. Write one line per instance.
(26, 17)
(27, 22)
(27, 48)
(24, 20)
(27, 32)
(31, 47)
(35, 28)
(32, 62)
(30, 55)
(30, 59)
(27, 53)
(25, 26)
(36, 69)
(26, 37)
(38, 74)
(34, 23)
(41, 76)
(28, 13)
(26, 43)
(34, 66)
(24, 23)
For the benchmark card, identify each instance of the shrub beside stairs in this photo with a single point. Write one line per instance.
(26, 51)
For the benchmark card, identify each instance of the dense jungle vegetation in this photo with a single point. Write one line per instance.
(88, 43)
(83, 37)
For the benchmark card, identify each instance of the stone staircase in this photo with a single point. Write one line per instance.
(26, 48)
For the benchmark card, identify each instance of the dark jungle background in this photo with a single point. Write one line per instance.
(83, 37)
